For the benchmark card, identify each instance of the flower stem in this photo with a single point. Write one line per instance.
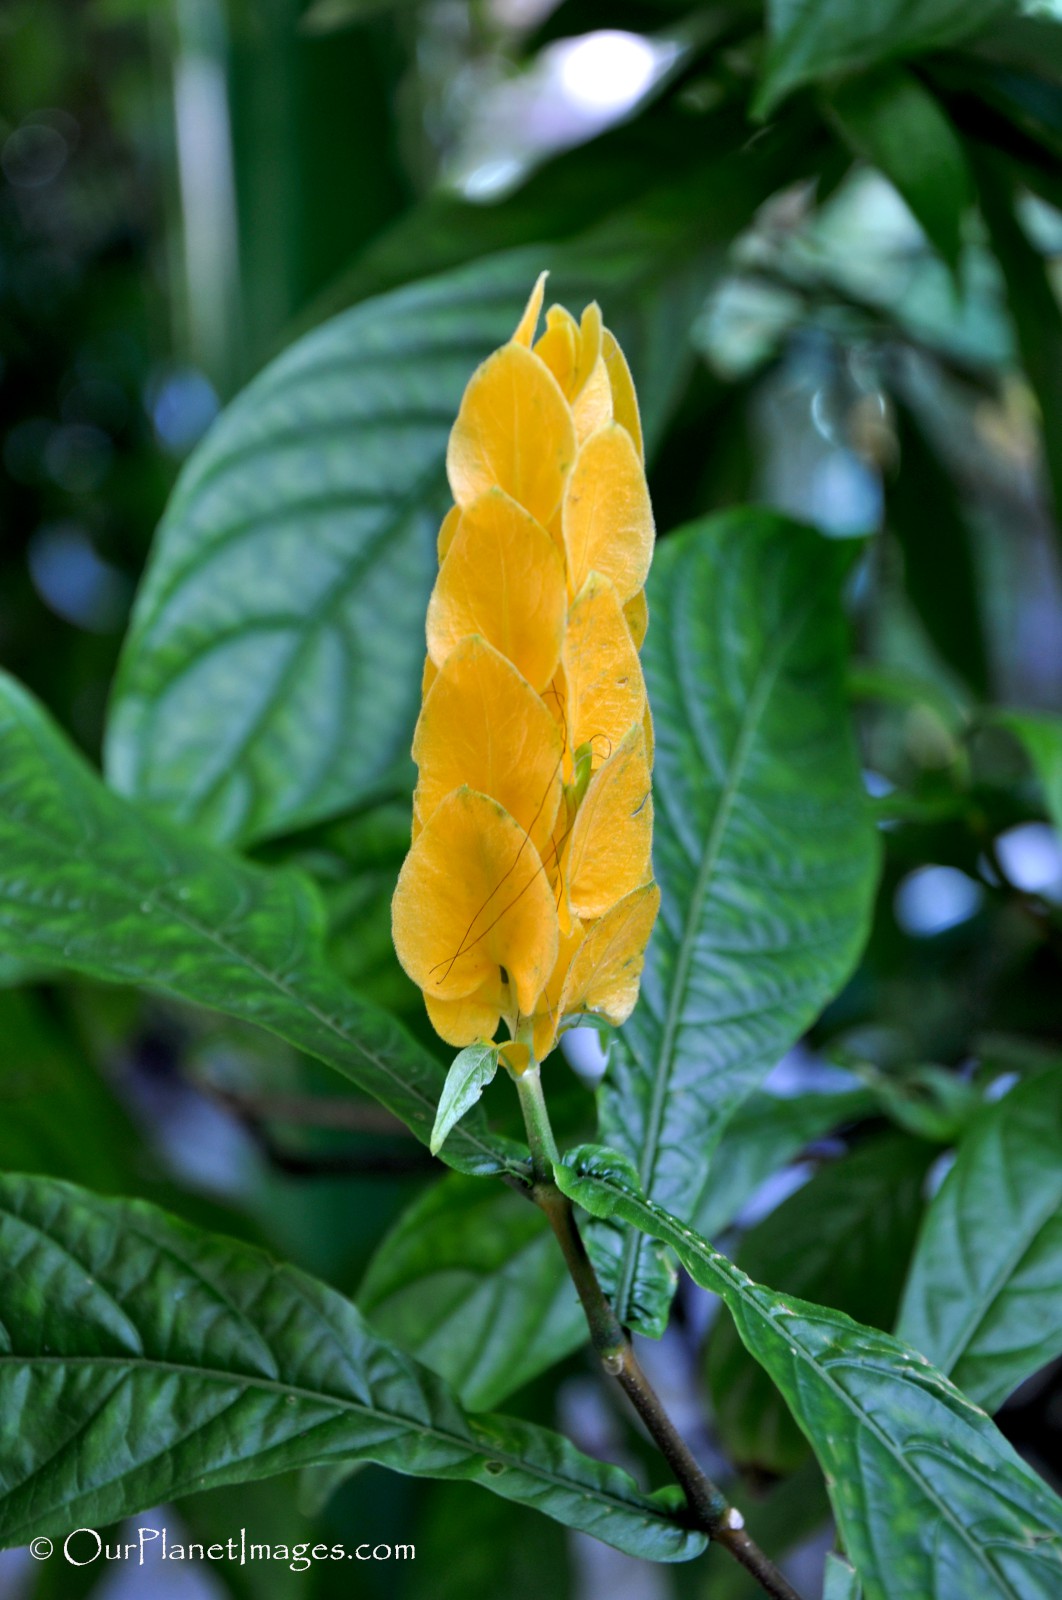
(707, 1503)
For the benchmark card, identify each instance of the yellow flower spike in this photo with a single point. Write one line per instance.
(503, 578)
(605, 690)
(484, 726)
(515, 432)
(624, 399)
(475, 1016)
(525, 330)
(608, 853)
(471, 901)
(605, 973)
(636, 612)
(607, 521)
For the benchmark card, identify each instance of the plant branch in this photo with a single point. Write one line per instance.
(707, 1503)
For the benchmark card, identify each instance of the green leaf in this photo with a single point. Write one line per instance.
(984, 1298)
(1040, 733)
(812, 40)
(890, 120)
(1033, 304)
(764, 1135)
(844, 1239)
(763, 846)
(142, 1359)
(933, 530)
(929, 1498)
(470, 1280)
(842, 1580)
(469, 1074)
(92, 885)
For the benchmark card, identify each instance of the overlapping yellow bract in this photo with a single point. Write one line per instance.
(527, 894)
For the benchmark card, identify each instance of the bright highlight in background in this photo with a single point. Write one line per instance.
(931, 900)
(607, 71)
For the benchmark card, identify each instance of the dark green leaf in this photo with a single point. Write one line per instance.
(470, 1280)
(470, 1073)
(764, 1134)
(1033, 304)
(143, 1359)
(984, 1299)
(889, 119)
(844, 1239)
(812, 40)
(940, 574)
(930, 1499)
(1040, 733)
(92, 885)
(763, 848)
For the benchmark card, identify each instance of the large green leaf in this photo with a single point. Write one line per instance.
(93, 885)
(929, 1498)
(813, 40)
(889, 119)
(470, 1280)
(984, 1299)
(844, 1240)
(763, 848)
(142, 1359)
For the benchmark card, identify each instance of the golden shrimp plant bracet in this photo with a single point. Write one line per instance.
(527, 896)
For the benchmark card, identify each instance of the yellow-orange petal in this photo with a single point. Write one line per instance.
(606, 970)
(474, 1016)
(514, 431)
(609, 852)
(548, 1015)
(525, 328)
(503, 579)
(472, 899)
(588, 347)
(607, 520)
(602, 673)
(636, 612)
(427, 677)
(650, 735)
(483, 725)
(592, 406)
(447, 530)
(624, 398)
(559, 347)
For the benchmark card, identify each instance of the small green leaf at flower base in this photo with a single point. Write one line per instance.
(466, 1080)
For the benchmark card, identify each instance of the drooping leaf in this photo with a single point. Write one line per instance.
(469, 1074)
(92, 885)
(844, 1240)
(1040, 733)
(929, 1498)
(763, 847)
(889, 119)
(984, 1297)
(816, 40)
(143, 1359)
(470, 1280)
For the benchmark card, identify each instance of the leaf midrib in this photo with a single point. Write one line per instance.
(468, 1444)
(750, 722)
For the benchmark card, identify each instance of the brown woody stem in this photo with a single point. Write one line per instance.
(707, 1503)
